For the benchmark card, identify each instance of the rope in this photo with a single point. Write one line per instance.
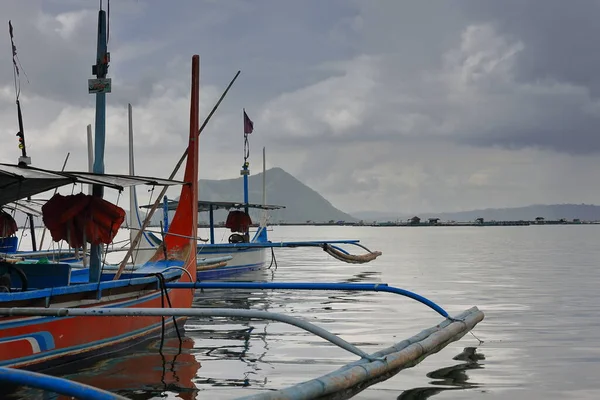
(173, 234)
(22, 233)
(479, 340)
(112, 224)
(246, 148)
(137, 246)
(273, 260)
(163, 244)
(164, 293)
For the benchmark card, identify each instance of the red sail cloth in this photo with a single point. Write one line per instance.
(238, 221)
(69, 217)
(8, 225)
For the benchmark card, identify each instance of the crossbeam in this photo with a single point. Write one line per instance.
(185, 312)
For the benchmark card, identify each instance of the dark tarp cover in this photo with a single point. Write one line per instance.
(18, 182)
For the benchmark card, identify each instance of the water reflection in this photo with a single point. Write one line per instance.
(364, 276)
(240, 356)
(142, 372)
(222, 340)
(147, 373)
(538, 287)
(452, 378)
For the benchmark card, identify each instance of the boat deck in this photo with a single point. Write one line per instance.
(61, 279)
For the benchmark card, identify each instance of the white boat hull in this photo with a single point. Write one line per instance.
(243, 260)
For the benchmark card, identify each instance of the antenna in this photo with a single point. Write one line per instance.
(24, 160)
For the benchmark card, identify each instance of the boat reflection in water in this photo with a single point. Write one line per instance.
(234, 350)
(147, 373)
(231, 349)
(141, 372)
(221, 353)
(449, 378)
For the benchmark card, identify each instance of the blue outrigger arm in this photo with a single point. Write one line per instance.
(362, 287)
(54, 384)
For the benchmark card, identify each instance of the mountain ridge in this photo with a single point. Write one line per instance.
(301, 202)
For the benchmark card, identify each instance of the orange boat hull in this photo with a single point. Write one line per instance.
(41, 342)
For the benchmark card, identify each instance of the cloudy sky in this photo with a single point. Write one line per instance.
(405, 106)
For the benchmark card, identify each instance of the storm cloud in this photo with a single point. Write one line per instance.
(388, 105)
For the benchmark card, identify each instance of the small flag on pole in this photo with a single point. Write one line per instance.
(248, 124)
(14, 48)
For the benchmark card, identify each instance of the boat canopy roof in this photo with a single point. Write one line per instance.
(18, 182)
(204, 205)
(33, 206)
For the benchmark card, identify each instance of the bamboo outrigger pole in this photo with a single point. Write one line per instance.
(356, 376)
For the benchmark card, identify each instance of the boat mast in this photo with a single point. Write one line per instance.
(90, 148)
(24, 160)
(99, 86)
(245, 170)
(132, 194)
(248, 128)
(264, 194)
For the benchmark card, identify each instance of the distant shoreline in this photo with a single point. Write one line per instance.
(402, 224)
(425, 224)
(438, 224)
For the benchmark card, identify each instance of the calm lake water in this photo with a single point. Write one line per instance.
(537, 285)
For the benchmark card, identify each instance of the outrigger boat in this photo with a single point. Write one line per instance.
(43, 342)
(40, 342)
(242, 253)
(152, 240)
(78, 258)
(247, 250)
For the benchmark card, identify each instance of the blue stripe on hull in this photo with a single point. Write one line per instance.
(229, 271)
(118, 343)
(232, 251)
(244, 260)
(43, 339)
